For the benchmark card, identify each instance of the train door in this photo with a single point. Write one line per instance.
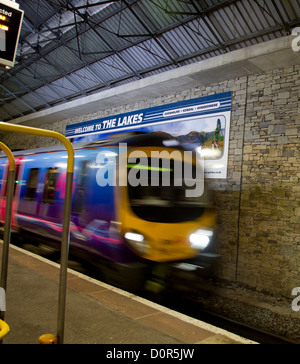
(28, 202)
(37, 210)
(79, 211)
(16, 193)
(50, 201)
(51, 205)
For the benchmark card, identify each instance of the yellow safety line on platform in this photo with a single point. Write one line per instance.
(4, 329)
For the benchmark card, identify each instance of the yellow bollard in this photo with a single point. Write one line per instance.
(4, 329)
(48, 339)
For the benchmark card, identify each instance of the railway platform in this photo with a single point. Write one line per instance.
(96, 313)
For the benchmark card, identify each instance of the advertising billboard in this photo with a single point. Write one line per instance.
(201, 124)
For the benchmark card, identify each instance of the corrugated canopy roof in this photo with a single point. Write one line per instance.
(73, 48)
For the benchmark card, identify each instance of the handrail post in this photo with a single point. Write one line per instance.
(67, 214)
(8, 213)
(7, 223)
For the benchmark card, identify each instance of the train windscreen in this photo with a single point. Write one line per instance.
(157, 191)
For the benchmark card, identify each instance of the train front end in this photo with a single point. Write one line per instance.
(167, 214)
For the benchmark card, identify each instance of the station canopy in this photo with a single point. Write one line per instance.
(73, 48)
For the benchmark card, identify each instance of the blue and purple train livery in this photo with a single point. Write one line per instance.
(127, 228)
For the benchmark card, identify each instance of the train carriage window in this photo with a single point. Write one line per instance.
(32, 184)
(49, 190)
(5, 183)
(82, 181)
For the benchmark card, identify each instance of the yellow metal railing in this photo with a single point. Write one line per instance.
(44, 133)
(66, 217)
(11, 158)
(4, 329)
(8, 213)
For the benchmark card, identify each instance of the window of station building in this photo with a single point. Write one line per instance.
(32, 184)
(50, 184)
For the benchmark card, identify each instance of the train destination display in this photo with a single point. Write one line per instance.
(11, 18)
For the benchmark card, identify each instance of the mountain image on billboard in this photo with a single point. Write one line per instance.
(207, 134)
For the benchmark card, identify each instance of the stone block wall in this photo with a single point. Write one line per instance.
(269, 232)
(259, 202)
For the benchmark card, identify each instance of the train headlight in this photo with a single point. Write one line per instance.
(201, 239)
(136, 241)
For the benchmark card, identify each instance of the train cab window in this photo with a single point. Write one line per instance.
(153, 200)
(32, 184)
(49, 190)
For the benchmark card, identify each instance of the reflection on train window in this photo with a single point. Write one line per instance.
(49, 190)
(32, 184)
(82, 180)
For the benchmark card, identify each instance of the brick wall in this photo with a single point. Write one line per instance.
(259, 203)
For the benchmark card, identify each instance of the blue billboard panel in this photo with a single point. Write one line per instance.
(202, 124)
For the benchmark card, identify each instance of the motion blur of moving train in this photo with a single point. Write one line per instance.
(125, 229)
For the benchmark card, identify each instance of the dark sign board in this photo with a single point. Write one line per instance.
(10, 25)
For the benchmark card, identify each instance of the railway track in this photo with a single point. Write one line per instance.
(194, 310)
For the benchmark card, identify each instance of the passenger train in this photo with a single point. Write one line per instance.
(126, 229)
